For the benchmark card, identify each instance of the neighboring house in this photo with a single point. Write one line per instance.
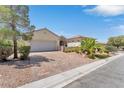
(45, 40)
(75, 41)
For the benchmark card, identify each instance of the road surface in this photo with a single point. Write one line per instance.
(110, 75)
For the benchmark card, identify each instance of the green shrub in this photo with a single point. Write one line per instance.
(91, 56)
(111, 49)
(5, 49)
(5, 43)
(21, 43)
(24, 49)
(24, 52)
(101, 56)
(72, 49)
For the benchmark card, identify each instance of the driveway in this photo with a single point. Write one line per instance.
(108, 76)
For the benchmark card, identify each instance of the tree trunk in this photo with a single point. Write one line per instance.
(14, 41)
(15, 47)
(13, 25)
(117, 47)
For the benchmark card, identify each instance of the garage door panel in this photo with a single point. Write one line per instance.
(43, 45)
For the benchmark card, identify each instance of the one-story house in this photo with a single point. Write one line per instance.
(75, 41)
(45, 40)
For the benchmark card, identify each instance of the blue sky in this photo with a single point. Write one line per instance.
(99, 22)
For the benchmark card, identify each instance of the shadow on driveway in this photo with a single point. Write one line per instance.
(34, 60)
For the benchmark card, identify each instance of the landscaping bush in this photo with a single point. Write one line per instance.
(5, 49)
(24, 49)
(101, 56)
(5, 43)
(91, 56)
(72, 49)
(21, 43)
(24, 52)
(111, 49)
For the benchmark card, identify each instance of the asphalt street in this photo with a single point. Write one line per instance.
(110, 75)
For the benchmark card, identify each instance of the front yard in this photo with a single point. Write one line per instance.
(40, 65)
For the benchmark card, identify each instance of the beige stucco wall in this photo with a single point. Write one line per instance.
(73, 44)
(44, 35)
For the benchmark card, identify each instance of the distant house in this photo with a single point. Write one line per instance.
(75, 41)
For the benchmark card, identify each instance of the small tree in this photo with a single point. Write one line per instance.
(15, 18)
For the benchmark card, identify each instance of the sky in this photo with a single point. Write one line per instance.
(100, 22)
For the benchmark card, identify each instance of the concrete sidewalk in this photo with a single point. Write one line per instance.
(62, 79)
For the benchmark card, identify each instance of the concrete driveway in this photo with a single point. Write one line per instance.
(108, 76)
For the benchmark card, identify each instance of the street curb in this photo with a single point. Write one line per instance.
(64, 78)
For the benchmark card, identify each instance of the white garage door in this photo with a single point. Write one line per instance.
(43, 45)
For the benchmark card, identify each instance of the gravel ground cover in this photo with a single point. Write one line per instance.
(39, 66)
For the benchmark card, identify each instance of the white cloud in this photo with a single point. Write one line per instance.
(118, 28)
(107, 10)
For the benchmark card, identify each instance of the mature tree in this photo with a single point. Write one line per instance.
(32, 28)
(5, 34)
(122, 39)
(15, 17)
(28, 36)
(116, 41)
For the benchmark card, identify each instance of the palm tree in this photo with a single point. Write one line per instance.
(89, 47)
